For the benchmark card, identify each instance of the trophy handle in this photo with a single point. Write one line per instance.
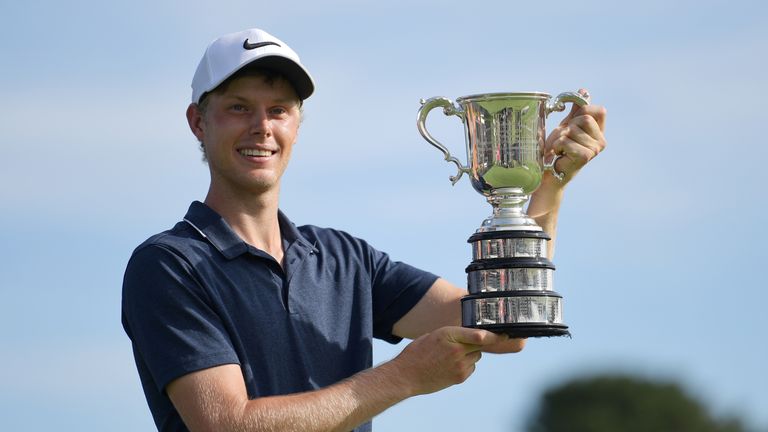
(550, 166)
(558, 104)
(448, 109)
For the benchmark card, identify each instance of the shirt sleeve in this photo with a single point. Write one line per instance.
(169, 318)
(397, 287)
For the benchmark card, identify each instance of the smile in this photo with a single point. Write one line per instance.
(255, 152)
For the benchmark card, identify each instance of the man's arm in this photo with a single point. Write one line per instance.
(578, 139)
(215, 399)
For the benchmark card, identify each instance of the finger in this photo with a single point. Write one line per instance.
(474, 356)
(582, 129)
(575, 109)
(470, 370)
(512, 345)
(474, 337)
(581, 137)
(567, 147)
(597, 112)
(588, 124)
(549, 144)
(573, 157)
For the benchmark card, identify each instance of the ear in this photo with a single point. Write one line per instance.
(195, 121)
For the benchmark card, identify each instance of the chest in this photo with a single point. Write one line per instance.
(322, 292)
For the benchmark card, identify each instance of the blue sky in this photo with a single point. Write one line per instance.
(661, 239)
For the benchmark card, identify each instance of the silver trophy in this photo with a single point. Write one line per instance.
(510, 278)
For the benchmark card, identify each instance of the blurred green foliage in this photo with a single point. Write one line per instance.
(621, 403)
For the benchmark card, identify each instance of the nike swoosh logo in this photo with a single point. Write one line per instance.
(249, 46)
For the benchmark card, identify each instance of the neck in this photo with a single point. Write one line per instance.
(253, 218)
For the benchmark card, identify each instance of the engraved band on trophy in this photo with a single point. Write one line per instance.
(510, 278)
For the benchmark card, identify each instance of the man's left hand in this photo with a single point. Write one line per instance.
(578, 139)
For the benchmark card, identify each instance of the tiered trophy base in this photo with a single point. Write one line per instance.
(510, 282)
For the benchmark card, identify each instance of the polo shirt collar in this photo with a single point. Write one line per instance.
(217, 231)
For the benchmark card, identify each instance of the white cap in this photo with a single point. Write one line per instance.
(230, 53)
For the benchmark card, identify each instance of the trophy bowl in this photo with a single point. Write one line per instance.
(504, 135)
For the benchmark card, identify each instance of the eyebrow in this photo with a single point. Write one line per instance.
(244, 99)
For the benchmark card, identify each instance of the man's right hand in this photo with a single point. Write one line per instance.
(442, 358)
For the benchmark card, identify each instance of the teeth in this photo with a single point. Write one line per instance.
(255, 152)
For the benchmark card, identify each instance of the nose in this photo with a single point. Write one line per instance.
(260, 123)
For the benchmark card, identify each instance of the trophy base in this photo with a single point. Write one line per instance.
(526, 330)
(528, 313)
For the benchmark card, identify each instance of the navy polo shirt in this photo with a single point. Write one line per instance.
(198, 296)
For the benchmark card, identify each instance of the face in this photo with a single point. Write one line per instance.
(248, 132)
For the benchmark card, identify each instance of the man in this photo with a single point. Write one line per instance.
(242, 321)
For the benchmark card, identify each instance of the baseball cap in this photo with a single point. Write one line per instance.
(230, 53)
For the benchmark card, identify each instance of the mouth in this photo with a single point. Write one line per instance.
(256, 152)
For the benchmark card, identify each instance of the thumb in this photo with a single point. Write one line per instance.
(476, 338)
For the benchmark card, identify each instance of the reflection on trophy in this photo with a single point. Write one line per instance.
(510, 278)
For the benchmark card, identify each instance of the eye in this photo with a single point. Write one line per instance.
(238, 108)
(278, 111)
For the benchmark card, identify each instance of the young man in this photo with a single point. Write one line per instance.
(242, 321)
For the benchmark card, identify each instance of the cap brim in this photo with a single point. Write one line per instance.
(298, 76)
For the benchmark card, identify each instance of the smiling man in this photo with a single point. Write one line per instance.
(242, 321)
